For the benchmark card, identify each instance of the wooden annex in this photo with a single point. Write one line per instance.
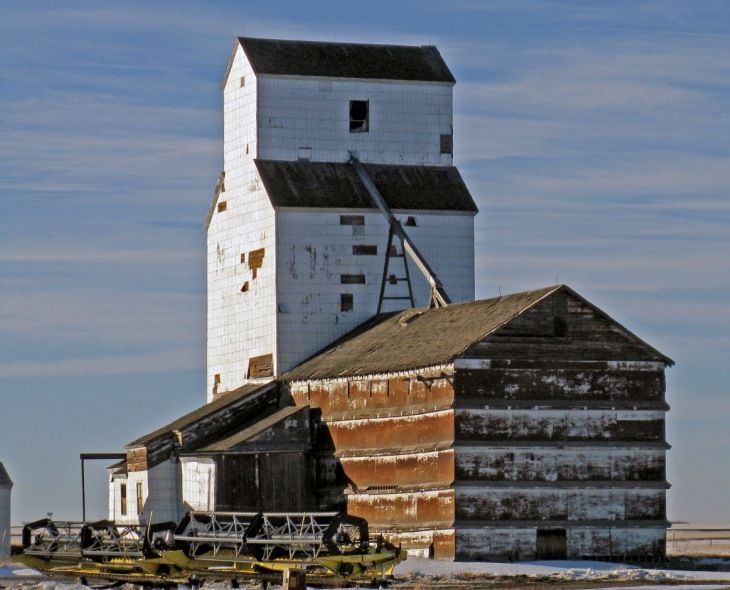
(527, 426)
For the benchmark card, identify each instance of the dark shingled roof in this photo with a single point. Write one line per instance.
(417, 338)
(201, 412)
(346, 60)
(336, 185)
(5, 480)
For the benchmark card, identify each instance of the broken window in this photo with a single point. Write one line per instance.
(346, 302)
(123, 499)
(447, 144)
(261, 366)
(352, 220)
(362, 250)
(352, 279)
(222, 206)
(359, 116)
(140, 499)
(411, 222)
(256, 260)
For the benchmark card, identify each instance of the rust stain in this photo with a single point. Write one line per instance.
(418, 431)
(401, 470)
(419, 508)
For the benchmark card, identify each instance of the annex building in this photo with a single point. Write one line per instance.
(340, 374)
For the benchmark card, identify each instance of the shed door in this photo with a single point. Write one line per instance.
(552, 544)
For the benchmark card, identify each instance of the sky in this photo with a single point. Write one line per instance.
(594, 136)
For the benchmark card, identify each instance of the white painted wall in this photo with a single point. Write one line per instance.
(240, 325)
(198, 483)
(406, 119)
(314, 250)
(5, 521)
(271, 118)
(161, 495)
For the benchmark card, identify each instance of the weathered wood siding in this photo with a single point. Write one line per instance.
(264, 481)
(559, 420)
(594, 541)
(488, 503)
(537, 463)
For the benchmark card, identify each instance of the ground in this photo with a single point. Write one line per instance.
(420, 574)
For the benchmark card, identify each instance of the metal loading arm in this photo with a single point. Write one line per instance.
(438, 298)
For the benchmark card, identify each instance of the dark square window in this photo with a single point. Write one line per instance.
(352, 220)
(364, 250)
(346, 302)
(447, 144)
(359, 116)
(352, 279)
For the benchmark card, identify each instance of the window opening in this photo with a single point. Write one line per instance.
(352, 220)
(447, 144)
(346, 302)
(243, 257)
(352, 279)
(359, 116)
(245, 287)
(123, 499)
(243, 81)
(140, 500)
(362, 250)
(411, 222)
(222, 206)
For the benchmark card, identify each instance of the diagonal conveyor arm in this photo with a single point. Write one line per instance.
(439, 298)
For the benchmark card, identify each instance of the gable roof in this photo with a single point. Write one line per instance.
(336, 185)
(217, 405)
(5, 480)
(417, 338)
(344, 60)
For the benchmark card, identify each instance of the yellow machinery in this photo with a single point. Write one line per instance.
(211, 545)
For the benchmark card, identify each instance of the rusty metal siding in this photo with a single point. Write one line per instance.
(391, 437)
(369, 396)
(419, 431)
(416, 509)
(436, 467)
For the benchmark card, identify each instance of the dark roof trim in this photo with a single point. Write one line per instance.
(216, 193)
(336, 185)
(279, 57)
(241, 436)
(204, 411)
(5, 480)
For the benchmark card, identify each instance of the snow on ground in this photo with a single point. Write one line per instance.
(557, 571)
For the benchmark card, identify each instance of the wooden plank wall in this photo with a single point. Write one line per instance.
(559, 422)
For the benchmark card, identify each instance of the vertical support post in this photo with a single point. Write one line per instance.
(83, 491)
(385, 269)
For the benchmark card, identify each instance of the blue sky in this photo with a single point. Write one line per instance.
(593, 135)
